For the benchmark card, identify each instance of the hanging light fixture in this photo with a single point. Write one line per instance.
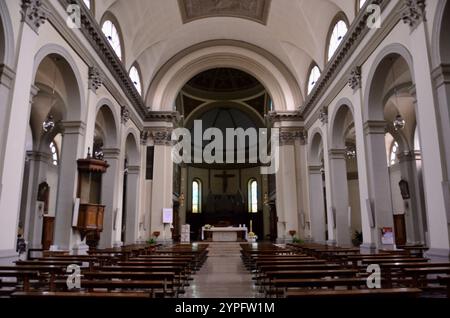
(351, 152)
(399, 122)
(48, 124)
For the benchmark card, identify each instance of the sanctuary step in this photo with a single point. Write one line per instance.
(230, 249)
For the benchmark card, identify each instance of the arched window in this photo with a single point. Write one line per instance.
(252, 196)
(337, 35)
(313, 78)
(54, 153)
(136, 79)
(362, 3)
(87, 3)
(111, 33)
(393, 154)
(196, 196)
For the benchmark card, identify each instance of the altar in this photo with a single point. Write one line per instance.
(225, 234)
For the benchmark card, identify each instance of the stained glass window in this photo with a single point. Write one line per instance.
(54, 153)
(393, 155)
(196, 196)
(253, 196)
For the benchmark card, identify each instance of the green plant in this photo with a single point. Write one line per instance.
(296, 240)
(151, 241)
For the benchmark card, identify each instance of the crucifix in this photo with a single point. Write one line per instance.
(224, 177)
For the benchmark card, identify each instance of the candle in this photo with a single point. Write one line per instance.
(251, 229)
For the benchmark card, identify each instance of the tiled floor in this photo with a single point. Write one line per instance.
(223, 275)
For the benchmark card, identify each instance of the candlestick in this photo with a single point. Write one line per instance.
(251, 228)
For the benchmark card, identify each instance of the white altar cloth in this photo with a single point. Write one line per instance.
(225, 234)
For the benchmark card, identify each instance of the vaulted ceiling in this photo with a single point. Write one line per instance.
(295, 31)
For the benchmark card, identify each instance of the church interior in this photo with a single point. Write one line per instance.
(224, 149)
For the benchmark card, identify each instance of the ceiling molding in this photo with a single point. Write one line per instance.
(253, 10)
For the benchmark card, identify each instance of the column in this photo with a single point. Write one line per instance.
(301, 159)
(14, 142)
(132, 217)
(415, 222)
(162, 181)
(379, 182)
(287, 208)
(316, 204)
(71, 151)
(183, 191)
(435, 184)
(109, 197)
(38, 163)
(339, 195)
(6, 83)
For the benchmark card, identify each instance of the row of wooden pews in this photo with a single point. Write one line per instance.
(130, 272)
(320, 271)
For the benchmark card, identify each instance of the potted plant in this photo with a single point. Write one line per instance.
(252, 237)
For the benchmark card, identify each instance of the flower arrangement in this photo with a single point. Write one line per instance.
(251, 234)
(208, 226)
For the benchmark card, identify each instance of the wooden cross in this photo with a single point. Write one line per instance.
(224, 177)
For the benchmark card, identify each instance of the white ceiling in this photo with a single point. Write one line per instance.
(295, 33)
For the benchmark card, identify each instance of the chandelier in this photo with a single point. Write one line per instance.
(350, 152)
(48, 124)
(399, 122)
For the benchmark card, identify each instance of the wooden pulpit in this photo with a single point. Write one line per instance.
(91, 212)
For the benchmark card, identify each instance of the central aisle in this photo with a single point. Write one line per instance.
(223, 275)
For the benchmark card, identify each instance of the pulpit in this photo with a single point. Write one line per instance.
(90, 212)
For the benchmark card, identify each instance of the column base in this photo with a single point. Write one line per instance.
(117, 244)
(438, 254)
(368, 248)
(80, 249)
(331, 242)
(7, 257)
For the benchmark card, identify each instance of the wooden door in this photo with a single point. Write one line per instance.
(400, 229)
(47, 232)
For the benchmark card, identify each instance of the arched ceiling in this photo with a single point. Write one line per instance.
(295, 31)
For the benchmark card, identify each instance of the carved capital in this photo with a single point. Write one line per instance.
(354, 80)
(162, 137)
(323, 115)
(95, 78)
(414, 12)
(144, 137)
(124, 114)
(33, 14)
(288, 136)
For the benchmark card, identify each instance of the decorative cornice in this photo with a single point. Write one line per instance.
(338, 153)
(375, 127)
(352, 39)
(33, 14)
(414, 12)
(6, 75)
(163, 116)
(354, 80)
(93, 33)
(441, 75)
(95, 78)
(323, 115)
(274, 117)
(162, 136)
(124, 114)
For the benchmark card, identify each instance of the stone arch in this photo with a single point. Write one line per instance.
(132, 152)
(277, 79)
(76, 96)
(337, 120)
(315, 142)
(373, 95)
(108, 123)
(441, 29)
(6, 36)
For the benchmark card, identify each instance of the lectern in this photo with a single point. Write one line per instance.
(90, 213)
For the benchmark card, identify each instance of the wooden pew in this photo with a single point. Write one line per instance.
(356, 294)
